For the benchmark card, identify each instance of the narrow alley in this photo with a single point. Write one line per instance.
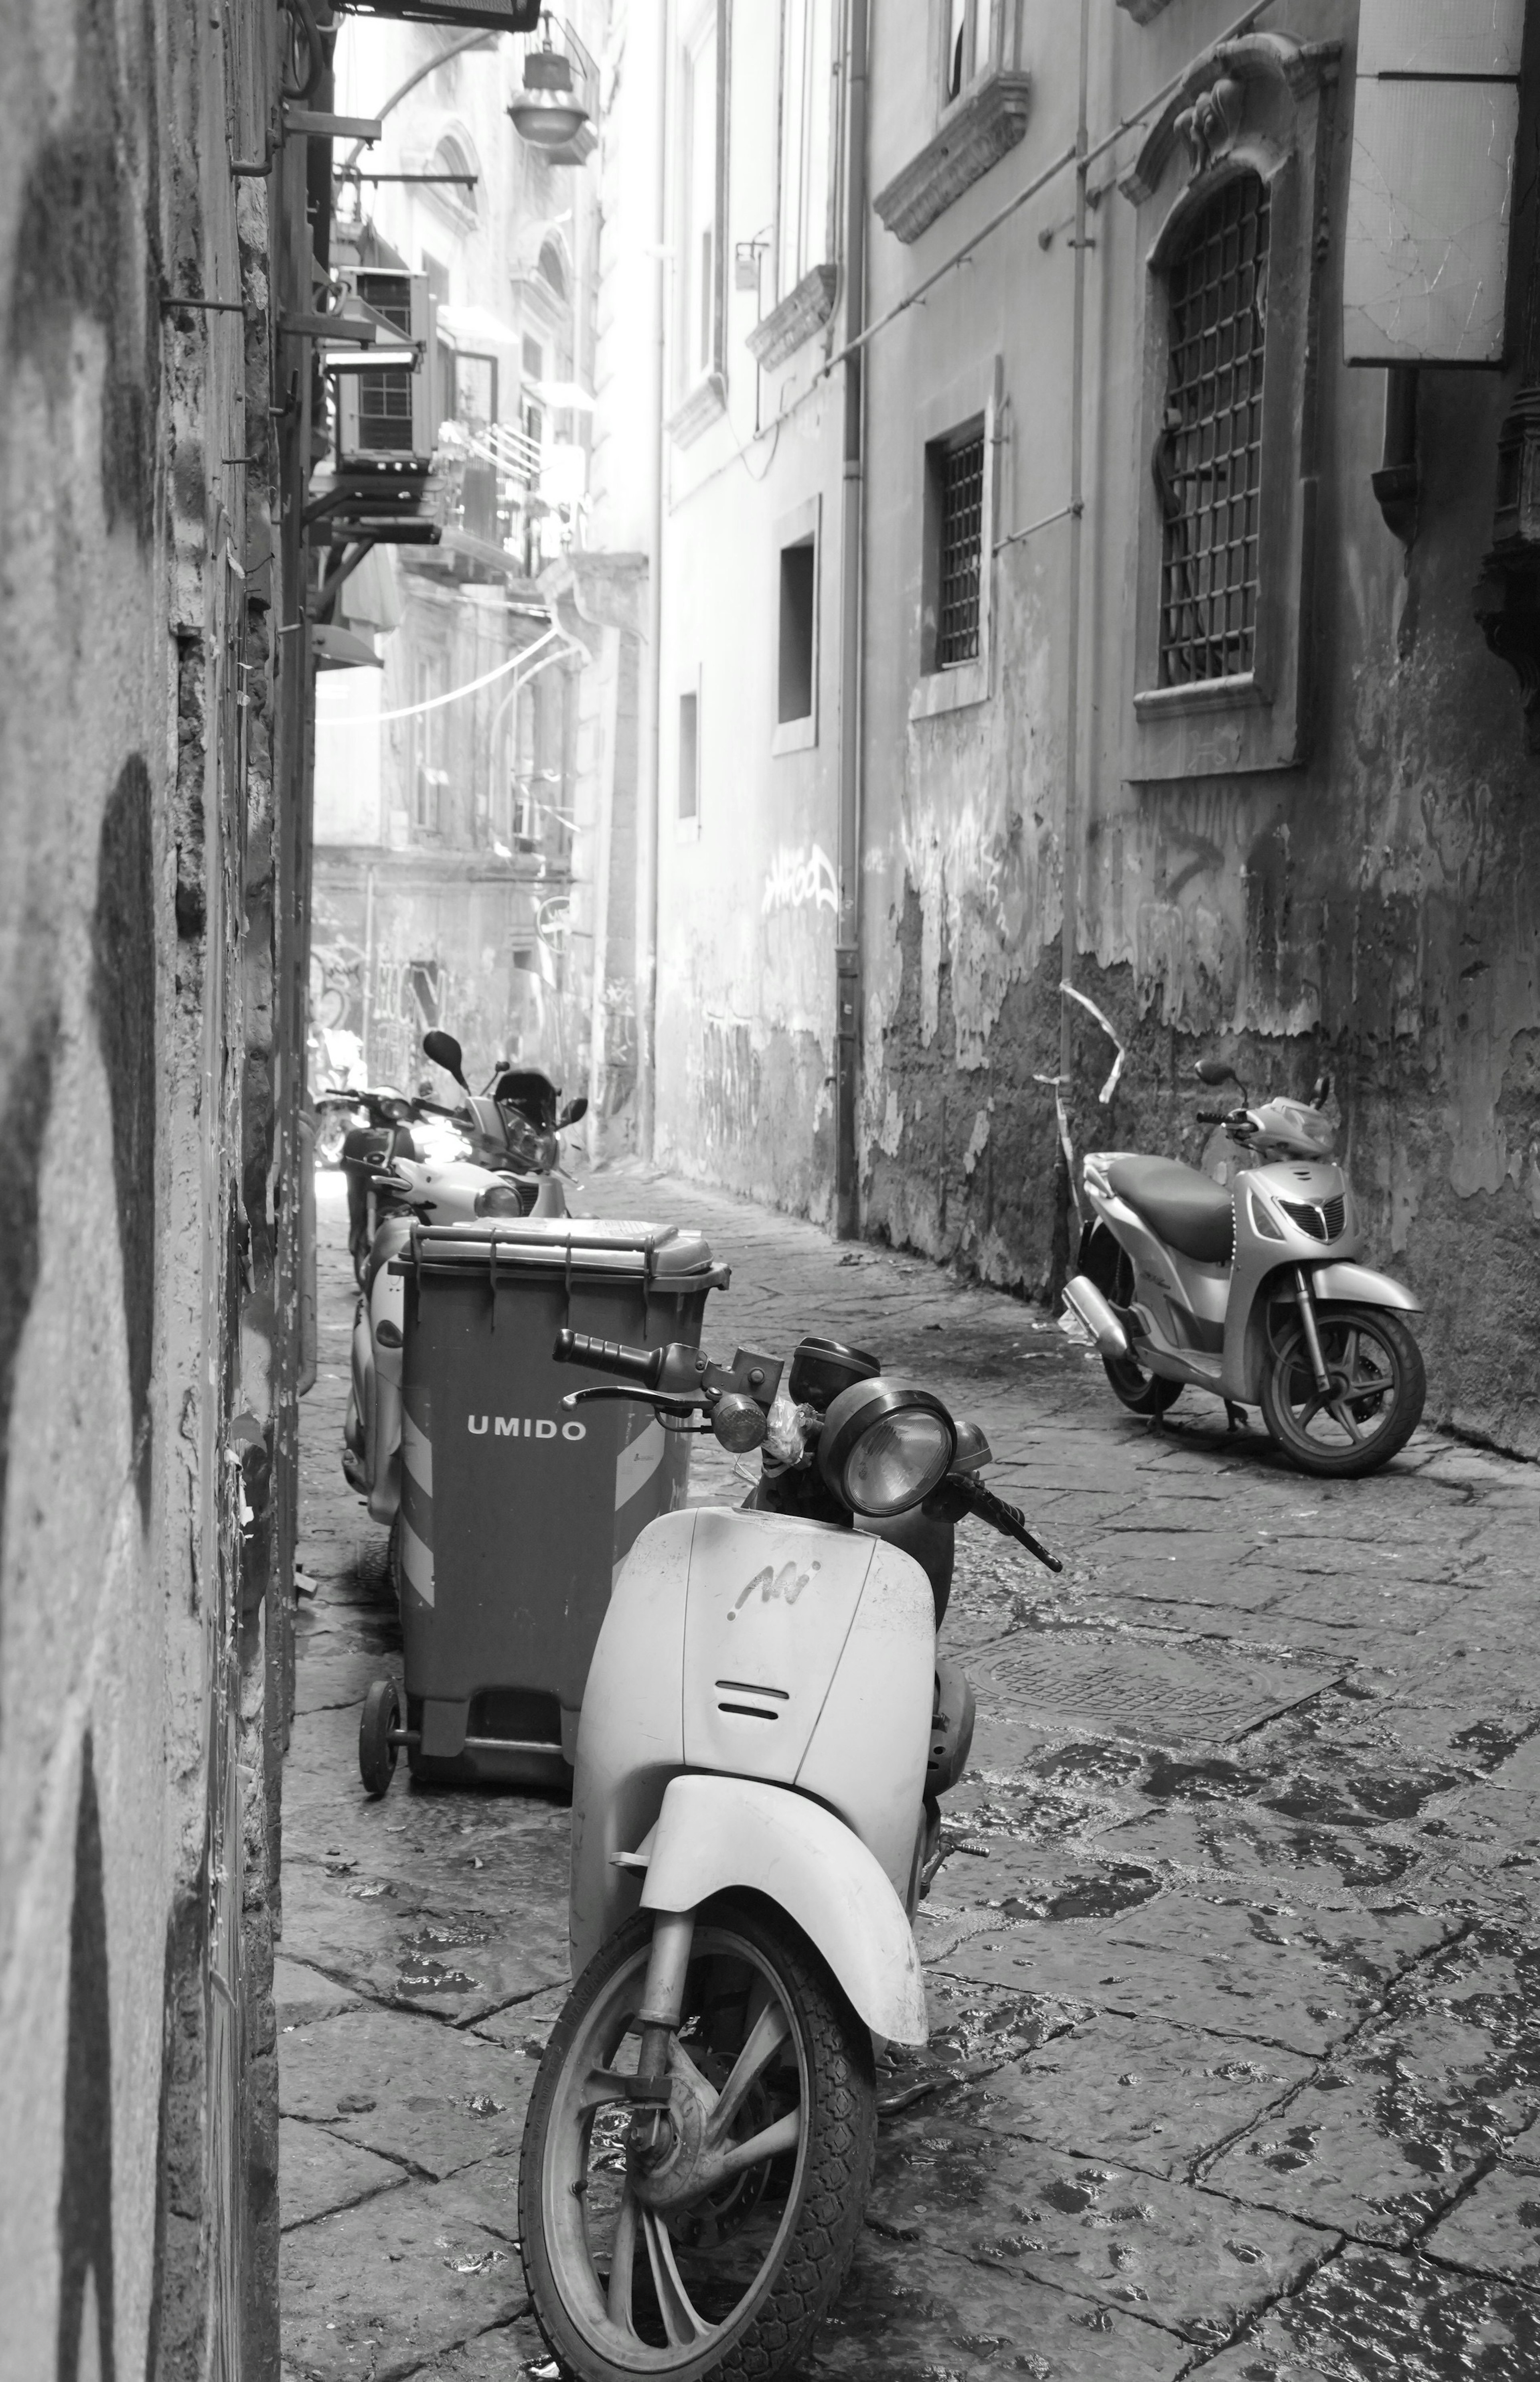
(1232, 1963)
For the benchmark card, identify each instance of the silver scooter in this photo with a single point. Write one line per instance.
(1242, 1280)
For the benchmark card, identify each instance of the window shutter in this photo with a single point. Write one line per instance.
(1430, 196)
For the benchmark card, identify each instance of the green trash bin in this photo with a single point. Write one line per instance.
(515, 1517)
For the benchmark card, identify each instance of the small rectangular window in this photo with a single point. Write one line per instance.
(798, 624)
(954, 526)
(689, 755)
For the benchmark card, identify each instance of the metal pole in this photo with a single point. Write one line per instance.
(847, 954)
(649, 792)
(1070, 857)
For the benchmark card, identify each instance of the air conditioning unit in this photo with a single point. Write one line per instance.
(390, 409)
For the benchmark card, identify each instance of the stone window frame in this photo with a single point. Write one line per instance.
(802, 525)
(974, 395)
(805, 300)
(703, 394)
(1259, 105)
(973, 131)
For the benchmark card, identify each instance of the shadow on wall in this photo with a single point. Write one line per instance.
(85, 2338)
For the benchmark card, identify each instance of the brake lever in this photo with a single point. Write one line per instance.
(661, 1400)
(1008, 1520)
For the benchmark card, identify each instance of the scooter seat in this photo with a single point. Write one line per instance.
(1182, 1207)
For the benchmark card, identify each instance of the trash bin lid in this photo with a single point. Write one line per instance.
(567, 1245)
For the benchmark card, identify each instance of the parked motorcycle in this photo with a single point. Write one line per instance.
(1243, 1280)
(515, 1122)
(765, 1732)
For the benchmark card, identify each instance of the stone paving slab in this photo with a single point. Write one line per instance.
(460, 1951)
(1373, 2313)
(1185, 1911)
(302, 1993)
(433, 2097)
(1383, 2138)
(1303, 1982)
(508, 2354)
(913, 2314)
(322, 2172)
(1192, 2261)
(378, 2288)
(1495, 2228)
(1156, 2096)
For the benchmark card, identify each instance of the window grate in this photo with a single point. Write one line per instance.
(962, 527)
(1208, 461)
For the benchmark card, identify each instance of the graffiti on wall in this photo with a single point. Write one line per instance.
(800, 880)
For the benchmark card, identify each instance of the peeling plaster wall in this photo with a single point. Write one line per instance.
(1376, 912)
(147, 894)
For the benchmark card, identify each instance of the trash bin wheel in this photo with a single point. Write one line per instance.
(376, 1755)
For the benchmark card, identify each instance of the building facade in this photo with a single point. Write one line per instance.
(455, 823)
(1201, 607)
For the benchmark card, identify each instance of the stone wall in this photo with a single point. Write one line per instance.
(151, 901)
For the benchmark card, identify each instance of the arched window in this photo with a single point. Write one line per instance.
(450, 158)
(1208, 460)
(553, 268)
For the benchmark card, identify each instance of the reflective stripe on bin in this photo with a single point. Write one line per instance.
(416, 1504)
(637, 1463)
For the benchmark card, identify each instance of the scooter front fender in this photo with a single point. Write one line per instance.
(1358, 1286)
(715, 1833)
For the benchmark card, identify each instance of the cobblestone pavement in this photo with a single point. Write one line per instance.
(1234, 2065)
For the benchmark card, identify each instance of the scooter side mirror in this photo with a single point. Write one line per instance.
(1215, 1071)
(446, 1053)
(572, 1113)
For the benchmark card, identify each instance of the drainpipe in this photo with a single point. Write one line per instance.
(648, 793)
(1070, 857)
(847, 956)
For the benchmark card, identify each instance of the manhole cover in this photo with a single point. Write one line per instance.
(1156, 1695)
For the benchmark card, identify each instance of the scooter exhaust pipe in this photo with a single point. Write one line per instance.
(1086, 1302)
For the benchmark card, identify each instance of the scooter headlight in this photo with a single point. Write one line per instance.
(498, 1200)
(885, 1446)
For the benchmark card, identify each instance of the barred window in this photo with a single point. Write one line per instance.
(1208, 456)
(959, 483)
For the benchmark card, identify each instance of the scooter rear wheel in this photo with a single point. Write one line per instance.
(730, 2280)
(1142, 1393)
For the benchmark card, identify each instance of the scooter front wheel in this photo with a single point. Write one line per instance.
(708, 2239)
(1371, 1405)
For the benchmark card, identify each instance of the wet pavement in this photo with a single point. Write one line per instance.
(1233, 1960)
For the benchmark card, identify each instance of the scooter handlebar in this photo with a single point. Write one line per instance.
(1211, 1116)
(643, 1364)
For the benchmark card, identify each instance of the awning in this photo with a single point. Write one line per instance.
(476, 329)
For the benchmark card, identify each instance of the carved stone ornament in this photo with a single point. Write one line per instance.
(975, 132)
(1210, 125)
(706, 403)
(802, 312)
(1215, 101)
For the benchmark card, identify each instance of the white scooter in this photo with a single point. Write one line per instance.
(1242, 1280)
(765, 1731)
